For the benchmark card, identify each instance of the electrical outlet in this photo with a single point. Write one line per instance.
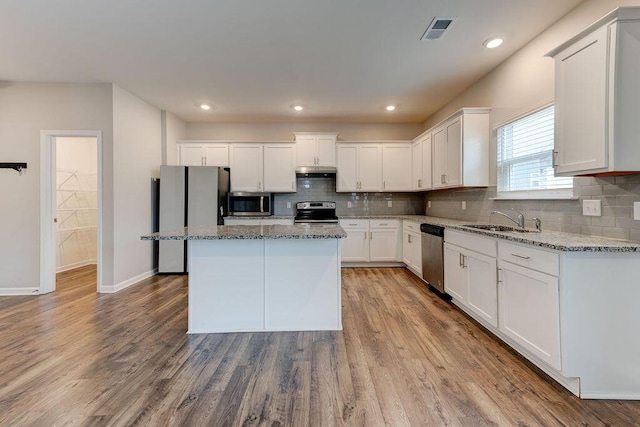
(389, 204)
(592, 207)
(349, 204)
(288, 205)
(429, 203)
(464, 205)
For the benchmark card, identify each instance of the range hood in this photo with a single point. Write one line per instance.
(316, 170)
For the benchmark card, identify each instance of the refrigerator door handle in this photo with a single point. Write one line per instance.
(261, 204)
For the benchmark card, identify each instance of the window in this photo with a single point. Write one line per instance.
(525, 158)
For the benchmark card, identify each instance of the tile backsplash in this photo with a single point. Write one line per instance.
(324, 189)
(616, 193)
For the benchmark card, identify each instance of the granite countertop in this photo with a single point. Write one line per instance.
(557, 240)
(260, 217)
(227, 232)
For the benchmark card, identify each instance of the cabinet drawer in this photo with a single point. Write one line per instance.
(527, 256)
(383, 223)
(483, 245)
(354, 223)
(411, 226)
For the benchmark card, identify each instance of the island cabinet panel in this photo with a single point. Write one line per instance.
(293, 302)
(230, 297)
(273, 284)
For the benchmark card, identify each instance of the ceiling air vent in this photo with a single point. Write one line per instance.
(438, 27)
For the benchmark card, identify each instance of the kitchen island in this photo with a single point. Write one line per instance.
(262, 278)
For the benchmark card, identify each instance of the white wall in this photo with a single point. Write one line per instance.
(284, 131)
(173, 129)
(526, 79)
(137, 155)
(25, 110)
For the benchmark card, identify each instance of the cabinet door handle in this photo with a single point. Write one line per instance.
(499, 275)
(371, 235)
(408, 238)
(205, 160)
(419, 183)
(384, 184)
(202, 161)
(381, 225)
(353, 225)
(555, 158)
(365, 235)
(292, 185)
(521, 256)
(464, 259)
(460, 262)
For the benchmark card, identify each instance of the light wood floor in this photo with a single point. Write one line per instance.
(405, 357)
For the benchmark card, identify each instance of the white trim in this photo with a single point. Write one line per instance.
(610, 396)
(76, 265)
(350, 264)
(47, 205)
(524, 113)
(129, 282)
(18, 291)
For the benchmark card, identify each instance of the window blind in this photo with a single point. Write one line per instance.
(525, 156)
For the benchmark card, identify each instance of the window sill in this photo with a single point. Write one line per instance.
(532, 197)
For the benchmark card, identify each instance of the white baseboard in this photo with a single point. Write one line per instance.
(351, 264)
(126, 283)
(19, 291)
(76, 265)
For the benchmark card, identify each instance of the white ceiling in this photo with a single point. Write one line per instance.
(252, 59)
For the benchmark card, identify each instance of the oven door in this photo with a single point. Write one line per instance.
(250, 204)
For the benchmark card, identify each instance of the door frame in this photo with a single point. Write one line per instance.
(48, 239)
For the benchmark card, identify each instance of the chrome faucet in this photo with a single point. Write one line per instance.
(519, 222)
(537, 223)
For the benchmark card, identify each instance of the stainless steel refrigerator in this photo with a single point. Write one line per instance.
(189, 196)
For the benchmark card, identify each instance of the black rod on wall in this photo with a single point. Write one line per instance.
(15, 166)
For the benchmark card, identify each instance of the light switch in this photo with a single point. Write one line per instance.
(636, 211)
(288, 205)
(592, 207)
(389, 204)
(349, 204)
(428, 203)
(464, 205)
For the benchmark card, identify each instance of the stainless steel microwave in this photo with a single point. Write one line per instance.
(250, 204)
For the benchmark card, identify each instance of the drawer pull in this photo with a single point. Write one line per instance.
(521, 256)
(381, 224)
(353, 224)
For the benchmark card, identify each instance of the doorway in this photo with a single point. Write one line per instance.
(71, 217)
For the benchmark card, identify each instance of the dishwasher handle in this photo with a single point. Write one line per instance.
(434, 230)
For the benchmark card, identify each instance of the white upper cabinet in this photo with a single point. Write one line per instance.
(316, 149)
(203, 153)
(359, 167)
(461, 150)
(246, 167)
(374, 166)
(421, 163)
(279, 168)
(396, 166)
(596, 97)
(259, 167)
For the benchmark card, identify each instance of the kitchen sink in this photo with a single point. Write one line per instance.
(492, 227)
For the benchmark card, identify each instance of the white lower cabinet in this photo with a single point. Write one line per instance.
(371, 240)
(355, 247)
(529, 301)
(412, 247)
(470, 274)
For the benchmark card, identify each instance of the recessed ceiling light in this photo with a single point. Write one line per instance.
(298, 107)
(205, 107)
(390, 107)
(493, 42)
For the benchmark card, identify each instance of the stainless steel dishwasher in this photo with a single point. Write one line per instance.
(433, 255)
